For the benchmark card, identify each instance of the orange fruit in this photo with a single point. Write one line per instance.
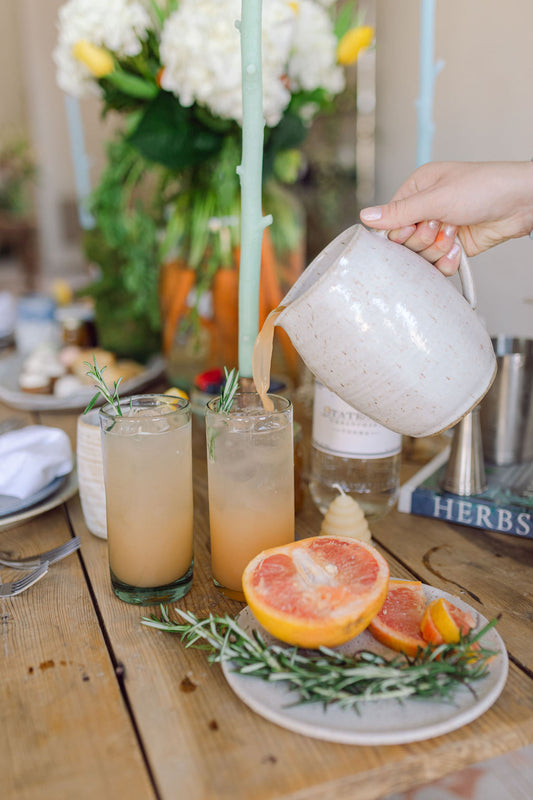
(398, 623)
(316, 592)
(174, 392)
(444, 623)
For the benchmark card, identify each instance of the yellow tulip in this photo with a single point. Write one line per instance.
(353, 42)
(97, 60)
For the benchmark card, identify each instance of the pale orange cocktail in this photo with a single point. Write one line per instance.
(147, 459)
(251, 484)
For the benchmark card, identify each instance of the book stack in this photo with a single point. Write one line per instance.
(506, 505)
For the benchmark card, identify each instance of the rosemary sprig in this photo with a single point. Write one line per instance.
(112, 397)
(225, 400)
(328, 676)
(228, 390)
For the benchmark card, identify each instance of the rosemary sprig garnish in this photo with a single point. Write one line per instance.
(228, 390)
(328, 676)
(227, 393)
(112, 397)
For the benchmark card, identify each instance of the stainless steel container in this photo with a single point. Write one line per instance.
(465, 470)
(506, 411)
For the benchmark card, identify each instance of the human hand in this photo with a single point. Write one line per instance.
(481, 204)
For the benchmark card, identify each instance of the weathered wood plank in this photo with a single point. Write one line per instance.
(200, 740)
(65, 730)
(196, 728)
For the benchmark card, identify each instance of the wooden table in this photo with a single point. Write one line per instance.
(95, 705)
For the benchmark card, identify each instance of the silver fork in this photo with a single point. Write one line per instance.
(49, 557)
(11, 589)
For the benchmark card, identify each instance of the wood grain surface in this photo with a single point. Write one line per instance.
(94, 704)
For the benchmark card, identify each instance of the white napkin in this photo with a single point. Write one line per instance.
(30, 458)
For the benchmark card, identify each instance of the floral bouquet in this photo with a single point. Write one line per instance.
(172, 69)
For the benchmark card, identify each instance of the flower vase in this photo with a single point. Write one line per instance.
(201, 321)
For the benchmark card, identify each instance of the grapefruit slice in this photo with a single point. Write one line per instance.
(445, 623)
(316, 592)
(398, 623)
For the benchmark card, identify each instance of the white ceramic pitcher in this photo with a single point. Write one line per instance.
(389, 334)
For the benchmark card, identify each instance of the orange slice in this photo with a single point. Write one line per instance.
(174, 392)
(444, 623)
(398, 623)
(320, 591)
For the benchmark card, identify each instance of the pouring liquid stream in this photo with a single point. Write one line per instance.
(262, 357)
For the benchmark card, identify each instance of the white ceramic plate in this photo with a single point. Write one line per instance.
(12, 396)
(11, 505)
(66, 490)
(383, 721)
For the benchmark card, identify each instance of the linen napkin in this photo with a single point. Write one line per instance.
(30, 459)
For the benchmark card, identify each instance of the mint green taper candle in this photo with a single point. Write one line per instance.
(250, 174)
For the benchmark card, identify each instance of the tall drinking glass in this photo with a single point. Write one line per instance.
(147, 458)
(250, 456)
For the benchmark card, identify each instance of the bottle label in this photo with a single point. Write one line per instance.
(340, 430)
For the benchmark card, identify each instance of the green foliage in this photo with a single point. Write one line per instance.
(347, 18)
(17, 173)
(173, 136)
(124, 242)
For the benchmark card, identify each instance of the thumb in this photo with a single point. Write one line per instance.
(397, 213)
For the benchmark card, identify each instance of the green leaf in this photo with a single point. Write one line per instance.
(132, 85)
(346, 19)
(287, 135)
(171, 135)
(92, 402)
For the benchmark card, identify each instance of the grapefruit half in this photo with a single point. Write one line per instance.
(397, 625)
(317, 592)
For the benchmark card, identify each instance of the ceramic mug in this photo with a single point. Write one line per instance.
(91, 473)
(389, 334)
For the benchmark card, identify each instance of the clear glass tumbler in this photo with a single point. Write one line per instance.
(250, 458)
(147, 457)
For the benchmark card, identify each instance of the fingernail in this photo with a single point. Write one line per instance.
(404, 233)
(449, 230)
(453, 252)
(434, 224)
(371, 214)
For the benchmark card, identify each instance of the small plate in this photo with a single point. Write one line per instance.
(11, 395)
(383, 721)
(11, 505)
(64, 492)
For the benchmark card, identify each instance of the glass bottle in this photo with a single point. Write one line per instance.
(352, 451)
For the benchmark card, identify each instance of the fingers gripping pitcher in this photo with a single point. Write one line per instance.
(389, 334)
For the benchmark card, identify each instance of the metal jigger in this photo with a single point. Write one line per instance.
(465, 471)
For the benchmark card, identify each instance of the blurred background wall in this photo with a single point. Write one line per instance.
(483, 111)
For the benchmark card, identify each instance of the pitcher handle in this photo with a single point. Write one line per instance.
(467, 280)
(465, 274)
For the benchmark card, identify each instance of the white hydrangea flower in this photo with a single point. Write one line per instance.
(207, 27)
(118, 25)
(313, 61)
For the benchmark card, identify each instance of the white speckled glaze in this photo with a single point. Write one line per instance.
(390, 334)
